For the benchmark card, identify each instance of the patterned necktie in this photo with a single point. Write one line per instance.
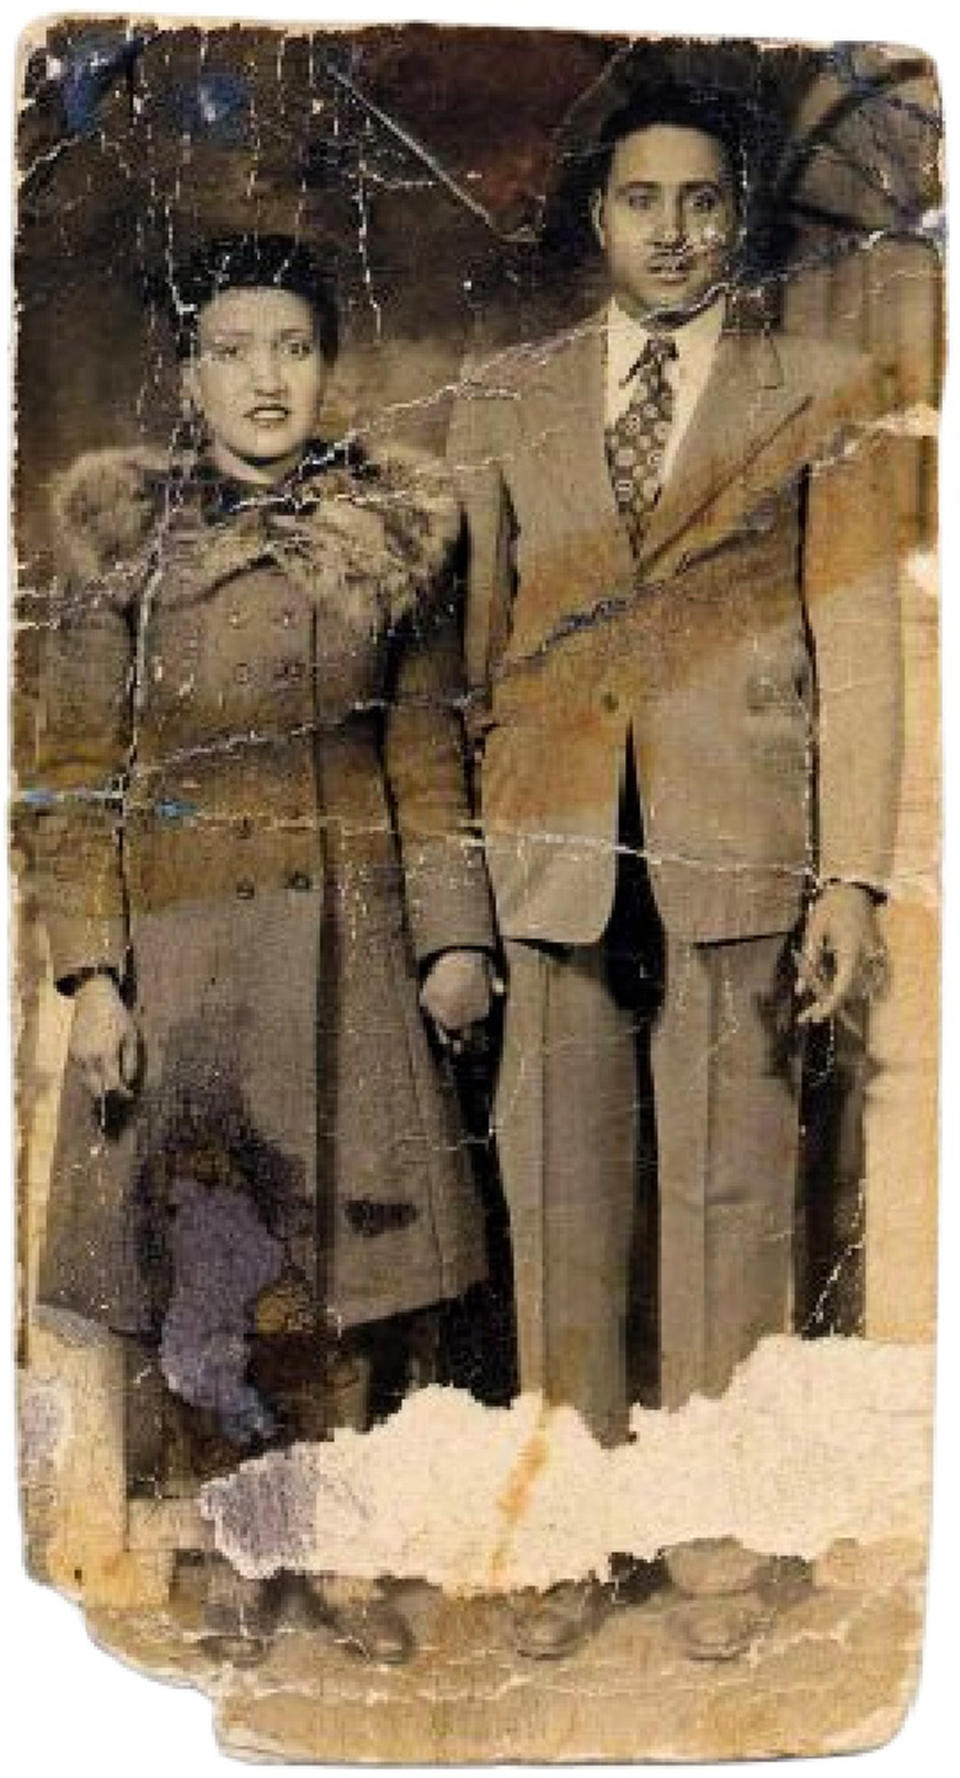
(637, 441)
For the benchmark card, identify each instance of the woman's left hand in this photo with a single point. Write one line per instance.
(458, 990)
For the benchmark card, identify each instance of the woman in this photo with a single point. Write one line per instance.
(255, 856)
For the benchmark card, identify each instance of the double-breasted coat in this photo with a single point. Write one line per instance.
(251, 807)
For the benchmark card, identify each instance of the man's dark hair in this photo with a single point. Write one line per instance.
(748, 134)
(248, 262)
(710, 110)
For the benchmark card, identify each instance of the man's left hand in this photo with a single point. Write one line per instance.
(457, 992)
(841, 953)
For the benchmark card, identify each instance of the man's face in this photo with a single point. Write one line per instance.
(667, 219)
(258, 377)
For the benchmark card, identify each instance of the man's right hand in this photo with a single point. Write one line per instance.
(104, 1039)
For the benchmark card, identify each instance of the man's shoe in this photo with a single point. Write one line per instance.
(721, 1627)
(731, 1596)
(710, 1566)
(545, 1626)
(786, 1581)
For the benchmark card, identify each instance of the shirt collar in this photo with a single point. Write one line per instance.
(626, 337)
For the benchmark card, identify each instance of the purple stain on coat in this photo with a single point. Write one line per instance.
(222, 1258)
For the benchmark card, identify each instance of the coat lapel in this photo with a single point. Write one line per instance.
(745, 405)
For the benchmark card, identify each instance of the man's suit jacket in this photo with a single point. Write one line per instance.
(753, 650)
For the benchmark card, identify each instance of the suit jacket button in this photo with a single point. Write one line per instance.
(610, 702)
(299, 880)
(245, 889)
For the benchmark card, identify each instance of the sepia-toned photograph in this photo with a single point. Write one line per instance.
(475, 855)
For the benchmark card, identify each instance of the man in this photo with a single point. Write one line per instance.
(682, 616)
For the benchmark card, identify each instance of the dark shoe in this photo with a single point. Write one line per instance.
(545, 1626)
(721, 1627)
(364, 1621)
(229, 1619)
(233, 1648)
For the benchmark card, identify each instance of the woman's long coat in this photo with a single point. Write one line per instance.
(251, 807)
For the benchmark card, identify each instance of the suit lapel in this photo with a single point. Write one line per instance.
(568, 416)
(746, 402)
(590, 443)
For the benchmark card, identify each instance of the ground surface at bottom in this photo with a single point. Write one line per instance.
(835, 1673)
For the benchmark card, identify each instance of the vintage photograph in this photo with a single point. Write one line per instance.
(475, 841)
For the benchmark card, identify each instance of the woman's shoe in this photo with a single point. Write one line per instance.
(363, 1619)
(235, 1618)
(546, 1626)
(721, 1627)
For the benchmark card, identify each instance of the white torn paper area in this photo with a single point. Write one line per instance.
(812, 1443)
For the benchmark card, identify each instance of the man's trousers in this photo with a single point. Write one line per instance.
(727, 1131)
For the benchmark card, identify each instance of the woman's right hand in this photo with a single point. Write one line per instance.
(104, 1039)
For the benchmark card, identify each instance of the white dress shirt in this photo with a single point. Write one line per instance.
(696, 342)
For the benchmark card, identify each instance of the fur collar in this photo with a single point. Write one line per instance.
(368, 533)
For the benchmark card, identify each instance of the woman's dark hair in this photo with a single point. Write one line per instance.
(248, 262)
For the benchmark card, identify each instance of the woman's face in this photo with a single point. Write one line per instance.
(258, 377)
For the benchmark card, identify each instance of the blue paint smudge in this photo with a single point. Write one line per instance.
(217, 107)
(92, 65)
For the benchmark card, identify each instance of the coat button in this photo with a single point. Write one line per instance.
(610, 702)
(241, 673)
(245, 889)
(299, 880)
(762, 694)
